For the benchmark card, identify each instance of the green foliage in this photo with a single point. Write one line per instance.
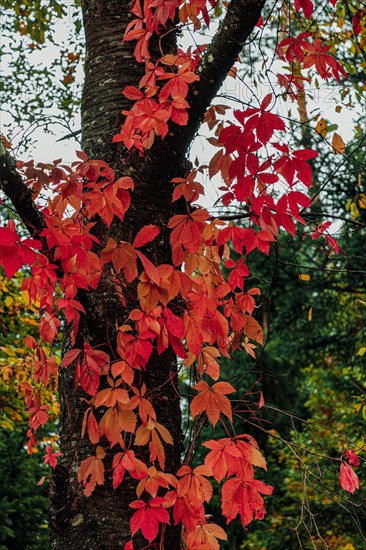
(23, 505)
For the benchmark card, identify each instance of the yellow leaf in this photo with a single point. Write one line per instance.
(338, 144)
(361, 351)
(354, 210)
(9, 301)
(25, 296)
(304, 277)
(322, 128)
(361, 202)
(310, 314)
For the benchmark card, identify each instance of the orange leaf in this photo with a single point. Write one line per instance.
(212, 400)
(147, 234)
(321, 128)
(91, 471)
(91, 425)
(152, 432)
(151, 271)
(205, 536)
(338, 144)
(252, 329)
(207, 362)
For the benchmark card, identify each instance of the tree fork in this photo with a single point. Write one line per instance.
(102, 520)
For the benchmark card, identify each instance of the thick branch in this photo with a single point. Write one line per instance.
(221, 54)
(12, 185)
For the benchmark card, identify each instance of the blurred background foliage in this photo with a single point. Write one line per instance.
(23, 504)
(41, 56)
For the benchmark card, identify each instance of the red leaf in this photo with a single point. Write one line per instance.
(352, 457)
(212, 400)
(348, 479)
(261, 401)
(51, 457)
(145, 235)
(151, 271)
(306, 5)
(148, 516)
(243, 497)
(133, 93)
(70, 356)
(48, 328)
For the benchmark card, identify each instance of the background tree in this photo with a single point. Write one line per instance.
(23, 504)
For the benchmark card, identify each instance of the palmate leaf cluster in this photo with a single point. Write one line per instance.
(311, 373)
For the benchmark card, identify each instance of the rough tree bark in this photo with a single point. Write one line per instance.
(102, 520)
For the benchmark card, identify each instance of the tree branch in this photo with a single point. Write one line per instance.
(164, 157)
(238, 23)
(12, 185)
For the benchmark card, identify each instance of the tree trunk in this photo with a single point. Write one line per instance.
(101, 521)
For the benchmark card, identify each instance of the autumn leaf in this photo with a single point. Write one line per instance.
(194, 484)
(114, 421)
(212, 400)
(321, 128)
(91, 471)
(127, 461)
(261, 401)
(90, 425)
(207, 362)
(243, 497)
(147, 234)
(306, 5)
(338, 144)
(153, 481)
(153, 433)
(205, 536)
(187, 229)
(348, 479)
(148, 517)
(51, 456)
(233, 456)
(48, 327)
(352, 457)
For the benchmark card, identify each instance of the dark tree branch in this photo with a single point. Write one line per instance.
(221, 54)
(12, 185)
